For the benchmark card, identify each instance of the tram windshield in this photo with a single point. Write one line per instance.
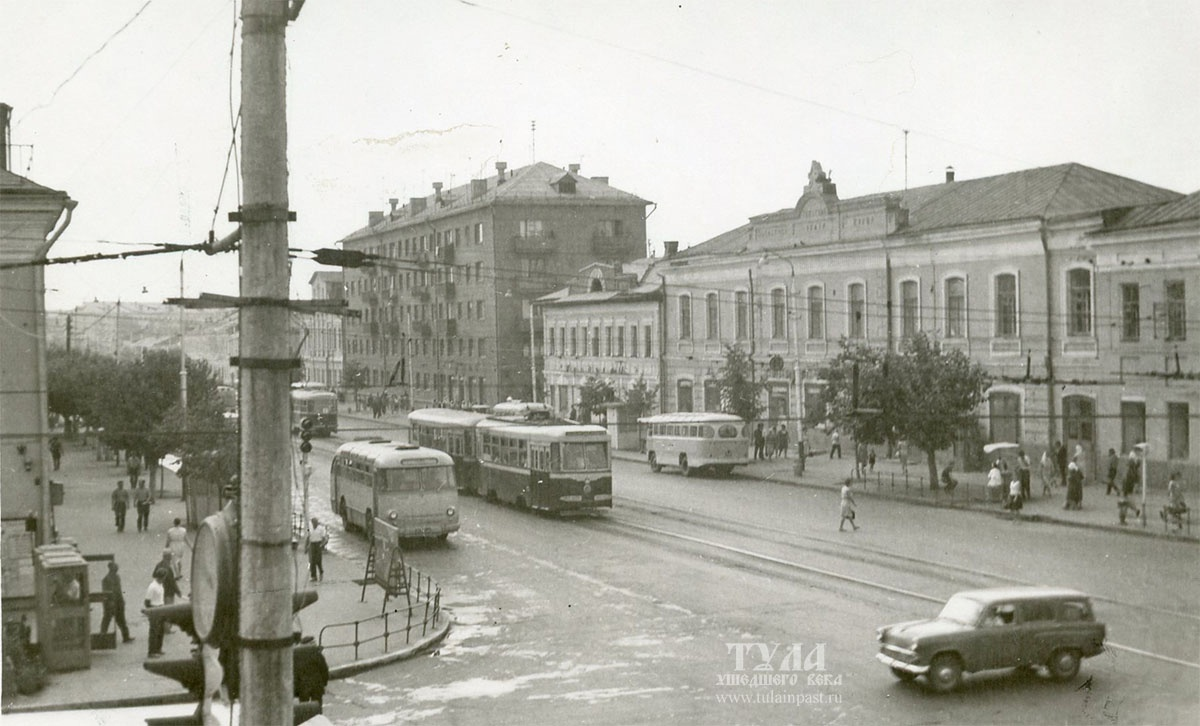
(590, 456)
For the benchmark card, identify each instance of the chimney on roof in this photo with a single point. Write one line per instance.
(374, 218)
(949, 174)
(416, 205)
(437, 192)
(670, 247)
(478, 188)
(393, 202)
(500, 167)
(573, 168)
(601, 179)
(5, 129)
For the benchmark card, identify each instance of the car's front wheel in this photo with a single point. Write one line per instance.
(903, 674)
(1064, 664)
(945, 673)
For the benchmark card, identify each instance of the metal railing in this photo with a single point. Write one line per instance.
(418, 610)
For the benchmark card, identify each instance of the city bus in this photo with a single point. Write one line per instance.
(320, 404)
(452, 431)
(409, 487)
(696, 441)
(549, 466)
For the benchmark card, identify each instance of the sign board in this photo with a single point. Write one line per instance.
(16, 549)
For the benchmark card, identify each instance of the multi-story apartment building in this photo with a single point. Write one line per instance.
(446, 311)
(1025, 272)
(321, 351)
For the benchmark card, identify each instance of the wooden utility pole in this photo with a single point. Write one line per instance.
(265, 575)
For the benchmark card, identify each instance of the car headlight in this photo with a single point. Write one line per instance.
(393, 515)
(449, 511)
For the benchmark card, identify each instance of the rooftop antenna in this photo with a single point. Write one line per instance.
(533, 142)
(906, 160)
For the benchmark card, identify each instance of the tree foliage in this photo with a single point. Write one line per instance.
(355, 374)
(640, 398)
(924, 394)
(741, 393)
(593, 394)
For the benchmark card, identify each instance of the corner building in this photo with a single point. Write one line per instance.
(1076, 288)
(446, 314)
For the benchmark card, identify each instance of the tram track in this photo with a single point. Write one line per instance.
(766, 562)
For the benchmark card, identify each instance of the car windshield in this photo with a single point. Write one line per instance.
(961, 610)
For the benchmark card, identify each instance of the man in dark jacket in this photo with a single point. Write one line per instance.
(114, 603)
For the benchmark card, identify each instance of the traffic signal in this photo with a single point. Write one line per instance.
(306, 433)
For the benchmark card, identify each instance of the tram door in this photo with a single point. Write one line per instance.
(1079, 429)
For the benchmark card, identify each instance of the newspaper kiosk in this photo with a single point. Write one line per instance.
(64, 615)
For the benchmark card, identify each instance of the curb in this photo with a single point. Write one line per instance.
(336, 673)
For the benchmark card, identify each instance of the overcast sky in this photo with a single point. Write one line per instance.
(711, 110)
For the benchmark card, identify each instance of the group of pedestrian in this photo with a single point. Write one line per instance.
(139, 497)
(770, 443)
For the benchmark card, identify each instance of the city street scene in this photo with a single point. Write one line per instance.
(517, 362)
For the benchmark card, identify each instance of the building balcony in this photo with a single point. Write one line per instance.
(446, 254)
(448, 289)
(539, 245)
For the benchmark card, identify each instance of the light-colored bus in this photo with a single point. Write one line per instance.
(410, 487)
(694, 441)
(550, 466)
(452, 431)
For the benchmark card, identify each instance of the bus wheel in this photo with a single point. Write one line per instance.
(369, 527)
(346, 526)
(684, 468)
(654, 465)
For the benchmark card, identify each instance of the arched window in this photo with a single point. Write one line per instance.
(910, 308)
(778, 313)
(858, 311)
(1006, 306)
(685, 317)
(712, 330)
(742, 304)
(956, 308)
(816, 313)
(1079, 302)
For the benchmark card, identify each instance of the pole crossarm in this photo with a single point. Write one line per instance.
(208, 300)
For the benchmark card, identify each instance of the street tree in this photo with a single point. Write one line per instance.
(924, 394)
(741, 392)
(593, 394)
(74, 380)
(640, 398)
(355, 376)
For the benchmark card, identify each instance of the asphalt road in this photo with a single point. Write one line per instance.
(640, 615)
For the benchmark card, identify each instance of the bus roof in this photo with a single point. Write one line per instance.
(692, 417)
(302, 394)
(392, 453)
(544, 432)
(445, 416)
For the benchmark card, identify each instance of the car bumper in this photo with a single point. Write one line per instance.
(887, 660)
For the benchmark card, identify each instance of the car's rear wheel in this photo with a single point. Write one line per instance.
(1063, 664)
(945, 673)
(654, 465)
(903, 674)
(684, 467)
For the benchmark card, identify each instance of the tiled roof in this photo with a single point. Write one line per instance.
(1152, 215)
(533, 183)
(1048, 192)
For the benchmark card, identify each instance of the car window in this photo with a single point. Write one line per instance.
(1001, 615)
(1075, 611)
(1037, 611)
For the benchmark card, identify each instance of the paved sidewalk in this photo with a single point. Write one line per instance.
(116, 676)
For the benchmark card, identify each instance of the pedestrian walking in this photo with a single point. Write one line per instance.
(848, 506)
(120, 504)
(781, 440)
(155, 597)
(166, 574)
(995, 482)
(860, 460)
(835, 444)
(56, 451)
(1046, 473)
(1074, 487)
(1172, 514)
(1111, 475)
(141, 498)
(1129, 484)
(871, 459)
(133, 467)
(1015, 499)
(1023, 467)
(771, 442)
(177, 542)
(114, 603)
(318, 539)
(759, 442)
(1060, 461)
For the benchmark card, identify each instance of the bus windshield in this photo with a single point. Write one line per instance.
(589, 456)
(417, 479)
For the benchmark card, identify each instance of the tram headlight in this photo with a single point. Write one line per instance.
(449, 511)
(393, 515)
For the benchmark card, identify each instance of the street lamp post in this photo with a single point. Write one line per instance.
(801, 453)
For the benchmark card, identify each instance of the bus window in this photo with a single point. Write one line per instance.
(585, 457)
(706, 432)
(728, 431)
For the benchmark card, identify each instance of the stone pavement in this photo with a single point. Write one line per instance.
(116, 677)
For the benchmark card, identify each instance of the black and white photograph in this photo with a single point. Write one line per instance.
(611, 363)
